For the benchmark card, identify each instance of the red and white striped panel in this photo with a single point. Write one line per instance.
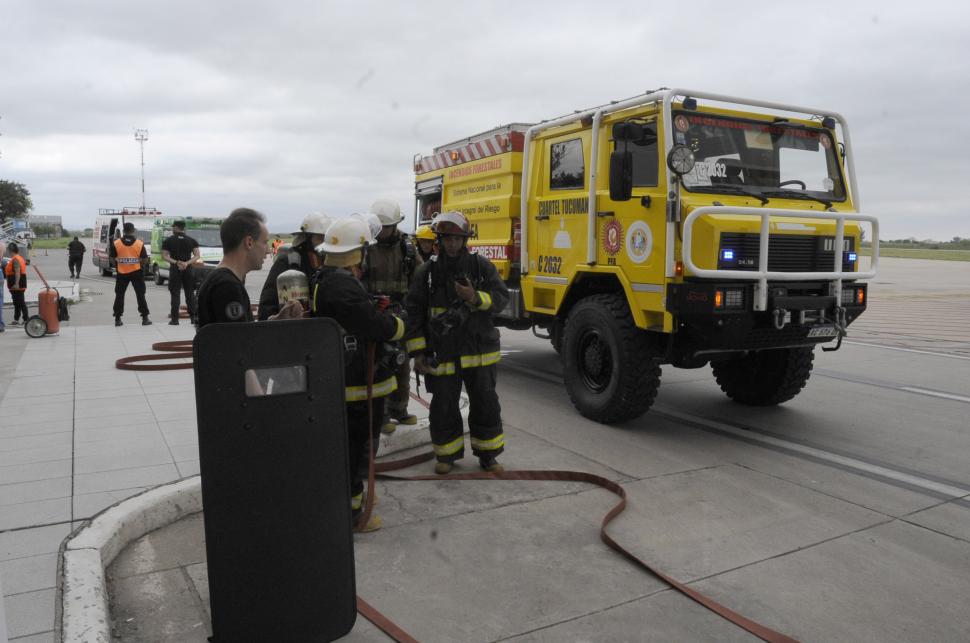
(497, 144)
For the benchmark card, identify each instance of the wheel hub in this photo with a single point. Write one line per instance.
(595, 361)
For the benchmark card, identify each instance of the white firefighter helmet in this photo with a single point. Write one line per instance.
(346, 235)
(372, 221)
(387, 211)
(452, 222)
(314, 223)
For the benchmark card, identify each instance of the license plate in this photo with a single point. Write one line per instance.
(823, 331)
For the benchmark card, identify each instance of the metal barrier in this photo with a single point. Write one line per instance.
(762, 274)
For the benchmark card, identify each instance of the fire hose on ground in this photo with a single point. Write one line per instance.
(183, 350)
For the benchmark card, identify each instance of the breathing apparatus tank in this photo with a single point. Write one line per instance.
(293, 285)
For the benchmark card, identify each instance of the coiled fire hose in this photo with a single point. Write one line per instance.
(177, 349)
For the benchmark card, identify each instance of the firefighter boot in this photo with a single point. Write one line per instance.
(145, 321)
(406, 419)
(490, 465)
(373, 524)
(442, 468)
(388, 427)
(118, 321)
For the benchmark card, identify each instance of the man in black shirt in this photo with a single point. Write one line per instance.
(181, 252)
(223, 296)
(75, 255)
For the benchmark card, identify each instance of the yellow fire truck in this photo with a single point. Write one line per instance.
(675, 227)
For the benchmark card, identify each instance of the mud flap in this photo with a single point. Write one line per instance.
(275, 481)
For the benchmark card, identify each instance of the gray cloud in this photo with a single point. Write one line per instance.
(298, 106)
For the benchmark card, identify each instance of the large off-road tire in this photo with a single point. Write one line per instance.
(610, 372)
(106, 272)
(765, 378)
(157, 275)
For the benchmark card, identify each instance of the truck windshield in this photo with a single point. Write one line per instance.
(775, 158)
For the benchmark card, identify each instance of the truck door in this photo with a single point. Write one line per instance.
(634, 236)
(559, 218)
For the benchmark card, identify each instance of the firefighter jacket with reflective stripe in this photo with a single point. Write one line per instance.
(128, 256)
(8, 270)
(439, 323)
(337, 294)
(388, 267)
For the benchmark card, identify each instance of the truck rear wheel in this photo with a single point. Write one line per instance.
(765, 378)
(610, 372)
(159, 279)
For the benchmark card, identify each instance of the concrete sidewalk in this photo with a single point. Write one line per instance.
(77, 435)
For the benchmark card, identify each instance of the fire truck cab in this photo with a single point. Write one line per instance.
(676, 227)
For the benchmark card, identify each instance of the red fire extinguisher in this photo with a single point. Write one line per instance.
(46, 322)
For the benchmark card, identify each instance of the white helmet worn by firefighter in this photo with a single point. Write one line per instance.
(387, 211)
(315, 223)
(345, 240)
(372, 222)
(451, 223)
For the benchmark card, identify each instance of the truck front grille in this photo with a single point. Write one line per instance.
(786, 252)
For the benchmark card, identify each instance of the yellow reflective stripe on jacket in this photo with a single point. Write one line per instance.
(313, 300)
(444, 368)
(356, 502)
(380, 389)
(486, 300)
(489, 445)
(451, 448)
(399, 333)
(485, 359)
(416, 344)
(436, 310)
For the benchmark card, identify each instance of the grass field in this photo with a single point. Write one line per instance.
(51, 244)
(922, 253)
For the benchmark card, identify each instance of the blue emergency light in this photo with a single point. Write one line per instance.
(853, 256)
(727, 255)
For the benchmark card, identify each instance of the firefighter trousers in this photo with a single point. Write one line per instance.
(357, 445)
(397, 402)
(484, 413)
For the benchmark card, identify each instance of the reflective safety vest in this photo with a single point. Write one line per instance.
(9, 272)
(128, 257)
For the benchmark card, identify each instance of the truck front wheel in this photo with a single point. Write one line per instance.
(764, 378)
(610, 372)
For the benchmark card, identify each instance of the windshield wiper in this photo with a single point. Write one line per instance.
(785, 194)
(731, 189)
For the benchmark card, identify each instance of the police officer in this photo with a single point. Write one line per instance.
(336, 293)
(453, 339)
(424, 236)
(386, 272)
(129, 257)
(181, 252)
(301, 256)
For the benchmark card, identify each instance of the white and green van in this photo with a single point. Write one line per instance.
(205, 230)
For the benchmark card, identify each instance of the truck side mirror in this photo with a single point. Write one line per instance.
(621, 175)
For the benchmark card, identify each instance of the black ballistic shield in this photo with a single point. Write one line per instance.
(275, 481)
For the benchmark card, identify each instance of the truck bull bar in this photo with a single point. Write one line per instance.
(762, 274)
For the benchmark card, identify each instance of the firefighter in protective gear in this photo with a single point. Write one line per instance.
(301, 256)
(336, 293)
(454, 342)
(386, 272)
(424, 236)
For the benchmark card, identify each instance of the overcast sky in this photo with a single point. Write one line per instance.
(295, 106)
